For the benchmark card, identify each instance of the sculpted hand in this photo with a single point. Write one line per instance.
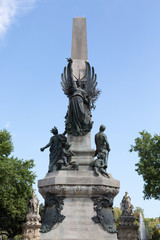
(42, 149)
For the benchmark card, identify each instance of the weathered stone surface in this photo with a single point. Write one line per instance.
(81, 146)
(80, 143)
(79, 39)
(31, 229)
(127, 232)
(78, 188)
(78, 223)
(81, 183)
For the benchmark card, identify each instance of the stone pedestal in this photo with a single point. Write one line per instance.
(127, 229)
(127, 232)
(81, 146)
(31, 228)
(78, 189)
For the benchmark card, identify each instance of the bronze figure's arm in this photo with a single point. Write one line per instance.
(48, 145)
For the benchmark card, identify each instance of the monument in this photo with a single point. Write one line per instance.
(127, 229)
(32, 225)
(78, 191)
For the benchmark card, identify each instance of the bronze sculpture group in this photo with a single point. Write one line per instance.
(60, 155)
(66, 158)
(82, 94)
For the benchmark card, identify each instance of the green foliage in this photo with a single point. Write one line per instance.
(6, 146)
(16, 179)
(117, 214)
(148, 149)
(5, 237)
(136, 213)
(152, 228)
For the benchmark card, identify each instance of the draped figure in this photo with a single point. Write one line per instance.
(82, 94)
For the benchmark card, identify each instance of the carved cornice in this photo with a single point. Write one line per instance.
(79, 190)
(32, 220)
(127, 220)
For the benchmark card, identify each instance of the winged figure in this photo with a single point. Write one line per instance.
(90, 86)
(82, 94)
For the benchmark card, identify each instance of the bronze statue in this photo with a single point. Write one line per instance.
(100, 166)
(102, 150)
(102, 145)
(56, 145)
(66, 158)
(82, 95)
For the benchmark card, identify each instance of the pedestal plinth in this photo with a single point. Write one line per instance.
(31, 227)
(79, 190)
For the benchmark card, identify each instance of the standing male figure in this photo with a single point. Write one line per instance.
(56, 145)
(102, 145)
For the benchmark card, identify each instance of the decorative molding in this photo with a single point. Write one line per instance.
(52, 212)
(80, 190)
(104, 190)
(105, 216)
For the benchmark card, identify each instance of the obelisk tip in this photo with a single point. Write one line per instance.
(79, 39)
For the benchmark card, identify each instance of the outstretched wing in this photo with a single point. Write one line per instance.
(91, 85)
(67, 79)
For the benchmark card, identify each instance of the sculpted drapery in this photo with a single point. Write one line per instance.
(82, 95)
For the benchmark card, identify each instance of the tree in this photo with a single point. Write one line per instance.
(136, 213)
(117, 214)
(148, 149)
(152, 226)
(16, 179)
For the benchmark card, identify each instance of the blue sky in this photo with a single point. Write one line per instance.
(124, 48)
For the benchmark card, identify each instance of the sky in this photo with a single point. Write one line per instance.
(123, 40)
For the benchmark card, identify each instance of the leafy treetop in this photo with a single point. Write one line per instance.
(148, 149)
(16, 179)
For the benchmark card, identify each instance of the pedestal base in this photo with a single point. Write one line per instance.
(80, 190)
(128, 232)
(78, 223)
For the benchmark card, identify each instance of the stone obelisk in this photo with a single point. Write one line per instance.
(81, 145)
(79, 47)
(81, 202)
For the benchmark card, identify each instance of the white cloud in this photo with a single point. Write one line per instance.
(9, 9)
